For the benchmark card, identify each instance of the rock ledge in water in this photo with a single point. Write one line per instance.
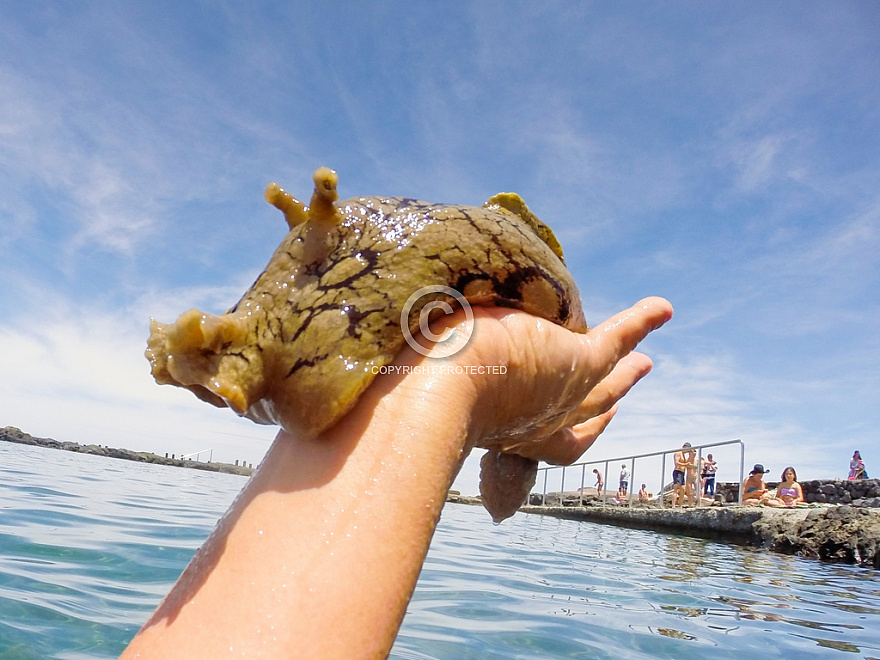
(840, 534)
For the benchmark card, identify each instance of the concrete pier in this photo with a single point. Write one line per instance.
(845, 534)
(732, 523)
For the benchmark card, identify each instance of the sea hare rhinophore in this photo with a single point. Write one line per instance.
(301, 345)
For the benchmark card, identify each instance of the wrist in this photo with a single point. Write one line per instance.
(450, 389)
(416, 415)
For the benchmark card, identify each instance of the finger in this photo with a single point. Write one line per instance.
(612, 388)
(619, 335)
(587, 432)
(566, 445)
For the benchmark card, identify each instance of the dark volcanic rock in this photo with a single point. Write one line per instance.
(840, 534)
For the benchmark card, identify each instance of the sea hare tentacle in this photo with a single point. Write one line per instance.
(321, 209)
(295, 212)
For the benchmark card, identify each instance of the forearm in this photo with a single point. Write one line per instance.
(319, 554)
(339, 524)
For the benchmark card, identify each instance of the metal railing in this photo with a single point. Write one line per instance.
(197, 454)
(632, 472)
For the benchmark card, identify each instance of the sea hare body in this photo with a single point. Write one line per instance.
(302, 344)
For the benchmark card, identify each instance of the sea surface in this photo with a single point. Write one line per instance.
(89, 545)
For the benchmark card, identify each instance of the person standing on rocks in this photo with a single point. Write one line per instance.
(710, 467)
(683, 459)
(624, 482)
(600, 485)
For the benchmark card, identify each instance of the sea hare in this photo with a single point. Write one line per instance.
(301, 345)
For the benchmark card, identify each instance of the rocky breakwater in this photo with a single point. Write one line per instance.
(13, 434)
(834, 533)
(859, 492)
(844, 534)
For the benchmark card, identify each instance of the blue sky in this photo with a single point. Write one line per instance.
(723, 155)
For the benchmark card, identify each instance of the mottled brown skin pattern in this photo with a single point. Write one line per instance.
(301, 345)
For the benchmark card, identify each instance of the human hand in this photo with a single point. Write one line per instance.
(561, 388)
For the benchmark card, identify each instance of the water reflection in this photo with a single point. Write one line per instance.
(677, 634)
(846, 647)
(654, 595)
(684, 557)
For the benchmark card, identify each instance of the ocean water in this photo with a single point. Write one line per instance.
(89, 545)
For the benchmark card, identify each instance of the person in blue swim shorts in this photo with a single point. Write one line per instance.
(684, 458)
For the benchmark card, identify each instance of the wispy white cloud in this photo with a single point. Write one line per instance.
(113, 214)
(81, 375)
(88, 189)
(757, 162)
(111, 163)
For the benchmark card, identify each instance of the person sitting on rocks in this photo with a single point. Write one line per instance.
(857, 467)
(789, 493)
(754, 489)
(644, 495)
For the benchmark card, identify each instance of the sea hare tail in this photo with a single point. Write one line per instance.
(505, 482)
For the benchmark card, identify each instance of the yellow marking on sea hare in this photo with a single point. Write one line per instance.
(515, 204)
(301, 345)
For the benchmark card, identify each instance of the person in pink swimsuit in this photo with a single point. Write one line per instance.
(789, 492)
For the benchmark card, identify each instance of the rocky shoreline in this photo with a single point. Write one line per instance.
(16, 435)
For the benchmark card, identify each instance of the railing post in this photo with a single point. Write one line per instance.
(544, 494)
(605, 486)
(562, 488)
(632, 480)
(583, 476)
(662, 481)
(699, 481)
(742, 467)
